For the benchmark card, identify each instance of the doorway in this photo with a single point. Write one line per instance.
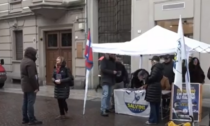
(58, 43)
(173, 26)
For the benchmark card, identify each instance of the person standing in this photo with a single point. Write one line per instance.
(63, 79)
(108, 73)
(196, 73)
(153, 90)
(29, 85)
(120, 80)
(168, 68)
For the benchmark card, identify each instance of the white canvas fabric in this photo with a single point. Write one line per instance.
(157, 40)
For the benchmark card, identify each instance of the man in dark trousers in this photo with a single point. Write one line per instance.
(30, 86)
(108, 73)
(168, 68)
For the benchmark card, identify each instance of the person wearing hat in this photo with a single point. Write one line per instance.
(168, 68)
(153, 90)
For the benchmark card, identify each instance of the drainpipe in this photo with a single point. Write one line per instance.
(36, 38)
(86, 24)
(86, 19)
(86, 31)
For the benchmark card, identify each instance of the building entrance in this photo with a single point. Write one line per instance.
(58, 43)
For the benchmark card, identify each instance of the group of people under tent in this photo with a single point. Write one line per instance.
(113, 75)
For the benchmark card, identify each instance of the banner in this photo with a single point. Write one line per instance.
(131, 102)
(179, 104)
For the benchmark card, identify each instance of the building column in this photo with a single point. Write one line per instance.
(140, 23)
(204, 33)
(197, 23)
(93, 25)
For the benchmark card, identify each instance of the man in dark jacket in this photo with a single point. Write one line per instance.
(168, 69)
(121, 77)
(153, 90)
(30, 85)
(108, 72)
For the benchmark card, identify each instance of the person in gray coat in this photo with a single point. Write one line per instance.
(62, 79)
(108, 73)
(30, 86)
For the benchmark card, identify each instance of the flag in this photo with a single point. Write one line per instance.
(185, 56)
(177, 67)
(88, 53)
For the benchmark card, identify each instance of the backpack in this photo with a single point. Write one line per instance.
(71, 82)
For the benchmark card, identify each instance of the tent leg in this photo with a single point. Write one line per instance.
(140, 61)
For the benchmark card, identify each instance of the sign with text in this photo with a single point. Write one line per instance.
(179, 104)
(131, 102)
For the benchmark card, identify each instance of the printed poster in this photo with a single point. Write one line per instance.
(179, 104)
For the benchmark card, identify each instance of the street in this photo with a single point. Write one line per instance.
(46, 109)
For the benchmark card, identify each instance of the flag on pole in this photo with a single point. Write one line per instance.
(185, 56)
(178, 64)
(88, 53)
(88, 65)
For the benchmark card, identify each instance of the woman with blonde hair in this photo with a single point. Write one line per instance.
(62, 79)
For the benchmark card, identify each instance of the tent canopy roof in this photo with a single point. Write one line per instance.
(157, 40)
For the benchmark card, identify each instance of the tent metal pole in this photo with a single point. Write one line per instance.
(140, 61)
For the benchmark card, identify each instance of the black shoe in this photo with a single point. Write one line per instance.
(110, 111)
(25, 122)
(35, 123)
(103, 113)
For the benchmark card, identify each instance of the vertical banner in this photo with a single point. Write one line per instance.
(179, 104)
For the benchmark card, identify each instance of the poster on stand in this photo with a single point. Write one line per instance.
(179, 104)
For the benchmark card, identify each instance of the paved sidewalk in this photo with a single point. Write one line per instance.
(46, 109)
(48, 91)
(9, 98)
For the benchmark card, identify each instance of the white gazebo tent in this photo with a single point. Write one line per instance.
(155, 41)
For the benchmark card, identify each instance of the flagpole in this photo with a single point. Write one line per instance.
(86, 89)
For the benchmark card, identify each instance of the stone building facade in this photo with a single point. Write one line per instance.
(50, 26)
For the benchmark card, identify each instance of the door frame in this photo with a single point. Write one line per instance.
(42, 47)
(58, 47)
